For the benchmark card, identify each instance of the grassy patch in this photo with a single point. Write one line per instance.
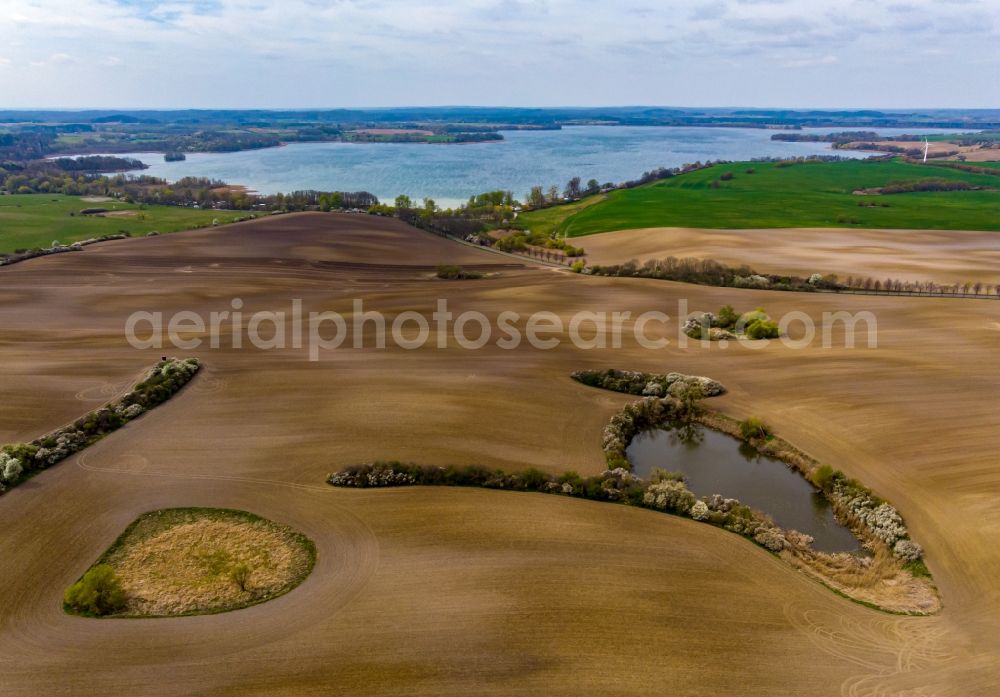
(196, 561)
(548, 220)
(28, 221)
(918, 568)
(818, 194)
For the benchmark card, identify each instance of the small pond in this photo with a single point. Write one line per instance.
(716, 463)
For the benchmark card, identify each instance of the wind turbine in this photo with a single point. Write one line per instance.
(927, 147)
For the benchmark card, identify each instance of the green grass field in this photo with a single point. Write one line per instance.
(36, 220)
(546, 220)
(802, 195)
(948, 137)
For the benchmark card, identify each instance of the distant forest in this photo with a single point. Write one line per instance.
(30, 135)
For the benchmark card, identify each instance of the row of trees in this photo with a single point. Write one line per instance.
(891, 285)
(540, 197)
(188, 191)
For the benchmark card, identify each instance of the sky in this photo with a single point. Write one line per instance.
(356, 53)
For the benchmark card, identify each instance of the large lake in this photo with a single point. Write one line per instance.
(450, 173)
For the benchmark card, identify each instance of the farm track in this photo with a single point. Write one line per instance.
(460, 591)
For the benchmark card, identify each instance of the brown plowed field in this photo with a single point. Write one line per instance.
(940, 256)
(425, 591)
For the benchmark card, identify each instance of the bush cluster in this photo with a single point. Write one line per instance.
(646, 384)
(863, 509)
(20, 460)
(754, 428)
(708, 272)
(727, 324)
(454, 273)
(668, 398)
(611, 485)
(521, 240)
(665, 492)
(56, 248)
(927, 185)
(98, 593)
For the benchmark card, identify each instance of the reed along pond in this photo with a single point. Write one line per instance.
(716, 463)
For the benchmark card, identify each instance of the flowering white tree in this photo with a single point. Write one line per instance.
(10, 468)
(699, 511)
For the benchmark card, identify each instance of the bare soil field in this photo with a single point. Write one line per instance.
(422, 591)
(941, 256)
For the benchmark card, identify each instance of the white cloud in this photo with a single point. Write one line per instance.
(809, 62)
(372, 52)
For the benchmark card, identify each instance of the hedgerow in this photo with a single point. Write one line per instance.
(18, 461)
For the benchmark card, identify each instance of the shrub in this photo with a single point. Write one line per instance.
(669, 495)
(907, 550)
(754, 427)
(699, 511)
(10, 469)
(770, 538)
(453, 273)
(763, 329)
(727, 317)
(240, 575)
(689, 396)
(578, 266)
(752, 281)
(99, 592)
(824, 476)
(748, 318)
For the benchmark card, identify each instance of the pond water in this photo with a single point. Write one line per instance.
(715, 463)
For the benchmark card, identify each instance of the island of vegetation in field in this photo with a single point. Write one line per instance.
(894, 578)
(786, 194)
(192, 561)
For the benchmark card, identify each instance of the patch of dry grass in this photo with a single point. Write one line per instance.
(878, 580)
(184, 561)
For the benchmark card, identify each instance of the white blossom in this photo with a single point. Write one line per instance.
(10, 468)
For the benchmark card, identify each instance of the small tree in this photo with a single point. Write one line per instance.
(824, 476)
(689, 397)
(727, 317)
(762, 329)
(754, 427)
(240, 574)
(99, 592)
(536, 197)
